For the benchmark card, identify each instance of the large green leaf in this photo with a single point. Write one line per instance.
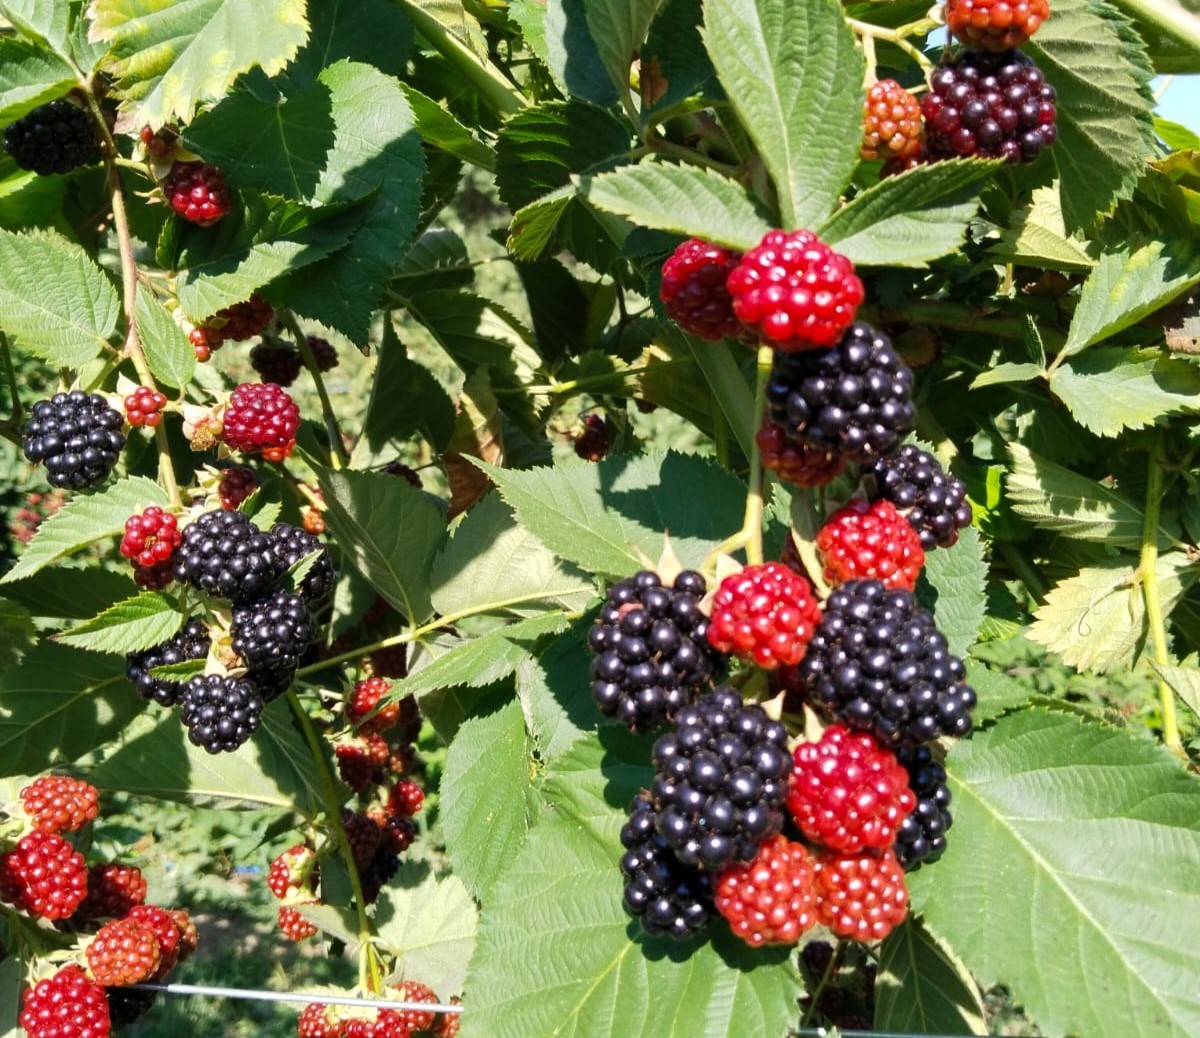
(171, 357)
(596, 515)
(70, 592)
(1037, 236)
(559, 33)
(555, 695)
(133, 625)
(923, 988)
(795, 76)
(952, 588)
(169, 57)
(910, 219)
(54, 299)
(619, 27)
(29, 77)
(439, 128)
(1072, 875)
(44, 21)
(1100, 70)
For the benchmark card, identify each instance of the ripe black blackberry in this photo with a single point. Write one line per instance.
(291, 544)
(189, 644)
(720, 782)
(921, 838)
(54, 138)
(667, 896)
(128, 1005)
(273, 632)
(78, 437)
(934, 502)
(991, 105)
(276, 364)
(225, 555)
(273, 682)
(854, 399)
(878, 663)
(652, 654)
(220, 712)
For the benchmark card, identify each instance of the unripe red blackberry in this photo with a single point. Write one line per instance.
(991, 105)
(398, 833)
(77, 436)
(58, 803)
(221, 713)
(878, 663)
(143, 407)
(235, 323)
(44, 876)
(854, 400)
(848, 792)
(861, 896)
(405, 799)
(996, 25)
(123, 952)
(795, 292)
(794, 461)
(191, 643)
(291, 871)
(53, 138)
(197, 192)
(592, 443)
(261, 419)
(669, 898)
(225, 555)
(870, 541)
(189, 939)
(360, 759)
(293, 925)
(319, 1021)
(66, 1005)
(693, 289)
(772, 899)
(922, 836)
(112, 890)
(892, 123)
(276, 364)
(237, 483)
(361, 706)
(291, 544)
(411, 1020)
(720, 780)
(162, 924)
(151, 537)
(933, 501)
(652, 656)
(765, 615)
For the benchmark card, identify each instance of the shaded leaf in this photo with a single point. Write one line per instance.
(923, 988)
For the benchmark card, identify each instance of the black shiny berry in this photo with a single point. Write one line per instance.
(853, 400)
(669, 898)
(127, 1005)
(273, 632)
(225, 555)
(933, 501)
(720, 780)
(77, 436)
(652, 654)
(291, 544)
(221, 712)
(276, 364)
(189, 644)
(921, 838)
(54, 138)
(878, 663)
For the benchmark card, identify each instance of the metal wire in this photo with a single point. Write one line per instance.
(296, 997)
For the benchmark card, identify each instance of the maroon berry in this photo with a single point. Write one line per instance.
(197, 192)
(112, 890)
(693, 289)
(592, 443)
(361, 707)
(123, 952)
(261, 419)
(771, 899)
(398, 468)
(66, 1005)
(237, 484)
(324, 353)
(870, 541)
(405, 799)
(276, 364)
(765, 615)
(794, 461)
(57, 803)
(44, 876)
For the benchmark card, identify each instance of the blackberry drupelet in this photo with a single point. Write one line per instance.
(854, 400)
(652, 656)
(669, 898)
(921, 839)
(225, 555)
(291, 544)
(934, 502)
(189, 644)
(220, 712)
(878, 663)
(990, 105)
(273, 632)
(54, 138)
(720, 781)
(78, 437)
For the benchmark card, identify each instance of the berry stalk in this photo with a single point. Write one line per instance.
(338, 454)
(10, 428)
(898, 37)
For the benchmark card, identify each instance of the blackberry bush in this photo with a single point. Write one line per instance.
(77, 436)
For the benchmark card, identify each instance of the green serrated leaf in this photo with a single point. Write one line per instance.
(1096, 620)
(54, 300)
(1183, 681)
(682, 199)
(1176, 136)
(533, 226)
(85, 520)
(910, 219)
(1037, 236)
(439, 128)
(1082, 819)
(133, 625)
(60, 704)
(558, 707)
(428, 923)
(595, 515)
(437, 260)
(923, 987)
(1127, 285)
(69, 592)
(43, 21)
(17, 633)
(485, 823)
(1100, 70)
(996, 693)
(1057, 499)
(1004, 374)
(29, 77)
(389, 530)
(795, 76)
(570, 53)
(171, 357)
(619, 27)
(674, 63)
(1111, 389)
(952, 588)
(169, 57)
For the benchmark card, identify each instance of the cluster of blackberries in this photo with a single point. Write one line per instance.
(54, 138)
(78, 437)
(226, 556)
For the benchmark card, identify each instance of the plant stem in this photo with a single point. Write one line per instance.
(687, 155)
(368, 968)
(18, 408)
(831, 967)
(897, 37)
(338, 453)
(501, 94)
(1148, 568)
(1025, 570)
